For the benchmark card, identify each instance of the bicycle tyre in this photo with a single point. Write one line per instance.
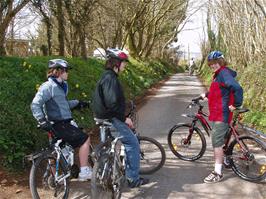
(253, 169)
(150, 162)
(46, 179)
(182, 131)
(102, 188)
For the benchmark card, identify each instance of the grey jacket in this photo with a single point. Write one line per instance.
(50, 102)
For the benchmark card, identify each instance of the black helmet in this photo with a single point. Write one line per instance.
(58, 63)
(117, 54)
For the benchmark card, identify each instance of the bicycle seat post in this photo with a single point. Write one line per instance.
(50, 137)
(103, 133)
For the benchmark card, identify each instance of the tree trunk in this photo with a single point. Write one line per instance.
(61, 27)
(82, 37)
(2, 41)
(49, 35)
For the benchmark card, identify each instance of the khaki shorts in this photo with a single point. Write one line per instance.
(219, 130)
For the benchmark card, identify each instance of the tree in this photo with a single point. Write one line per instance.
(8, 10)
(61, 26)
(80, 14)
(42, 7)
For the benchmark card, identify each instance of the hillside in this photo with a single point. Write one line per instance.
(20, 79)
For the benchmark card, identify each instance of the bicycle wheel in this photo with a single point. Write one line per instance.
(152, 155)
(248, 163)
(42, 180)
(185, 146)
(101, 181)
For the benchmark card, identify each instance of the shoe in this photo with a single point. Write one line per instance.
(226, 163)
(138, 183)
(213, 177)
(85, 175)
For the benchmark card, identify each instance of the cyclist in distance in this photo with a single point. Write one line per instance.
(50, 104)
(109, 103)
(225, 94)
(192, 66)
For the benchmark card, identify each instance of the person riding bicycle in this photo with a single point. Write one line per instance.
(109, 103)
(225, 94)
(192, 66)
(52, 110)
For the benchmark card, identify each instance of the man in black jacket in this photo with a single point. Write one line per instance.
(109, 103)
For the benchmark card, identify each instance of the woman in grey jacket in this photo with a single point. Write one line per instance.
(50, 104)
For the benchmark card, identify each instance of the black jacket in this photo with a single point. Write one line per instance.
(108, 99)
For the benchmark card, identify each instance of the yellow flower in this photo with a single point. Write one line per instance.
(84, 94)
(37, 86)
(29, 66)
(24, 63)
(77, 85)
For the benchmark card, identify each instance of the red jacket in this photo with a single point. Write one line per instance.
(224, 91)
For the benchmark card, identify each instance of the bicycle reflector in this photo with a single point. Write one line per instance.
(240, 117)
(263, 169)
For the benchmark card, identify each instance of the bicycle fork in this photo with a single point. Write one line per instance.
(187, 140)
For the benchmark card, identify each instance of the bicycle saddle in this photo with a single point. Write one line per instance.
(103, 121)
(242, 110)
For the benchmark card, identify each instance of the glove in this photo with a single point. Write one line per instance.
(82, 104)
(45, 125)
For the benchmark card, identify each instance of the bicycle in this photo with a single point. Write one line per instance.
(245, 154)
(108, 175)
(52, 169)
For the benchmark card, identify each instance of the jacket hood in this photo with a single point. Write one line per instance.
(234, 73)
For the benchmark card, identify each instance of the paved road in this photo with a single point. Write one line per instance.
(178, 179)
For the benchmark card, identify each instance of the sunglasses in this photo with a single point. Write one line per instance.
(65, 70)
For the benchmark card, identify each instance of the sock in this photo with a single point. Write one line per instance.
(84, 169)
(218, 168)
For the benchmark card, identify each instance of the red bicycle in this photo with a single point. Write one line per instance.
(245, 154)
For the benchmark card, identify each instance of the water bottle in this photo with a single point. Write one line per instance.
(68, 154)
(103, 134)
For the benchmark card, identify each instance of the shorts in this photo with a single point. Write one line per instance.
(219, 130)
(70, 134)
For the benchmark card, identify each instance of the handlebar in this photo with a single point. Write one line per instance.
(195, 102)
(132, 109)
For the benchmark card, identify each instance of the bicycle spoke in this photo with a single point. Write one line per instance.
(185, 145)
(249, 159)
(152, 155)
(43, 180)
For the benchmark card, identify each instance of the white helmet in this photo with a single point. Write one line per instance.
(58, 63)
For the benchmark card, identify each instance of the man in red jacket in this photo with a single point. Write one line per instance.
(225, 94)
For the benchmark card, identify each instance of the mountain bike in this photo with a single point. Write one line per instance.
(52, 169)
(108, 175)
(245, 154)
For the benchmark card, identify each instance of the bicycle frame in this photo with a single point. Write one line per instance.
(233, 132)
(65, 163)
(199, 116)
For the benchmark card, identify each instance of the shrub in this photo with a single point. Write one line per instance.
(20, 79)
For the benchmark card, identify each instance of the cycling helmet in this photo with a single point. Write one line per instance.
(215, 55)
(117, 54)
(58, 63)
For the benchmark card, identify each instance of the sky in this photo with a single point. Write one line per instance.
(193, 32)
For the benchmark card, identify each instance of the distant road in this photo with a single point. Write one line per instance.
(181, 179)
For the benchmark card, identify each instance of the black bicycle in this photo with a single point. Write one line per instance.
(108, 175)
